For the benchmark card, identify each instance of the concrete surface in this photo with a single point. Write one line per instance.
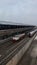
(30, 58)
(34, 52)
(35, 38)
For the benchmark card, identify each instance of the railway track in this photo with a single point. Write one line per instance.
(9, 49)
(5, 40)
(10, 31)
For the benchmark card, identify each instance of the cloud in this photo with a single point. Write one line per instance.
(22, 11)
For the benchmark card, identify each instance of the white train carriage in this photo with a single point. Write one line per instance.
(30, 34)
(18, 37)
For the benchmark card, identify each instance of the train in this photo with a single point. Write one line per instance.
(21, 36)
(18, 37)
(31, 33)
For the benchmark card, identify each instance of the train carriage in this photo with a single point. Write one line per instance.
(18, 37)
(31, 33)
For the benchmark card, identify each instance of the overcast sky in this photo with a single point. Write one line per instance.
(19, 11)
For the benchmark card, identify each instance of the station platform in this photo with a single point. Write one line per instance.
(30, 57)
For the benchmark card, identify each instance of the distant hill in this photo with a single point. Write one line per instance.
(13, 23)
